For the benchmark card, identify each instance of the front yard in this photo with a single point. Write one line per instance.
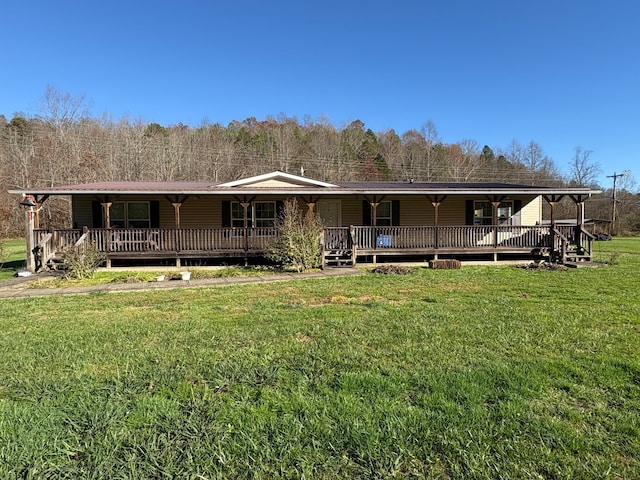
(483, 372)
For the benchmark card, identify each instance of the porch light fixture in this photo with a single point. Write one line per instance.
(27, 201)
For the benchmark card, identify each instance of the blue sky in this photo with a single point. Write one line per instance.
(563, 73)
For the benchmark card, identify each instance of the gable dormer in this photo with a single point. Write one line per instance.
(277, 179)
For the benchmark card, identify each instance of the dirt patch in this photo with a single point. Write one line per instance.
(391, 270)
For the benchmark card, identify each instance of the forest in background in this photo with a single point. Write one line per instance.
(64, 145)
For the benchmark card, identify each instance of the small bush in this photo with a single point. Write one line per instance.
(82, 262)
(298, 246)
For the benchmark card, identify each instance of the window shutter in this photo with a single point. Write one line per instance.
(226, 213)
(469, 212)
(395, 213)
(366, 213)
(279, 209)
(154, 213)
(96, 214)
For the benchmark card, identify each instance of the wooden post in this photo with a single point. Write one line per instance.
(176, 213)
(310, 210)
(494, 220)
(579, 223)
(374, 221)
(31, 261)
(553, 201)
(106, 206)
(435, 202)
(245, 207)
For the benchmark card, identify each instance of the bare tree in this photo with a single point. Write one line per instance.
(583, 172)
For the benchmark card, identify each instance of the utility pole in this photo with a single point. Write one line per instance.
(612, 229)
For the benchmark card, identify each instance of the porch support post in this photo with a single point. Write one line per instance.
(106, 207)
(435, 202)
(176, 212)
(30, 221)
(553, 201)
(311, 205)
(177, 238)
(579, 201)
(310, 209)
(495, 204)
(245, 208)
(374, 221)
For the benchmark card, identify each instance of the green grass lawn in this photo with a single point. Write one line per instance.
(12, 256)
(483, 372)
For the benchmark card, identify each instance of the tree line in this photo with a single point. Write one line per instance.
(63, 145)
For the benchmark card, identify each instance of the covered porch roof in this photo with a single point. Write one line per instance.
(280, 183)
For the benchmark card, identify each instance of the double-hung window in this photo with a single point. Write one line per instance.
(130, 215)
(259, 214)
(384, 214)
(483, 213)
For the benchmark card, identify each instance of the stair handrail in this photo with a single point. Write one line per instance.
(44, 251)
(564, 243)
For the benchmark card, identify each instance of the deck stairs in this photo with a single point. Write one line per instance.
(338, 258)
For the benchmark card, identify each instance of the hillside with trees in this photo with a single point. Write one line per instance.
(65, 145)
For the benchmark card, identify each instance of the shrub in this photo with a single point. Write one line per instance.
(298, 245)
(81, 262)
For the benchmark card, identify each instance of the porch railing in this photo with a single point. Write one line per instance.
(182, 240)
(210, 242)
(450, 237)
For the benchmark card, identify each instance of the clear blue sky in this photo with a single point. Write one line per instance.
(563, 73)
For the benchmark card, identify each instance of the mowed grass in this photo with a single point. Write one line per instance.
(484, 372)
(13, 252)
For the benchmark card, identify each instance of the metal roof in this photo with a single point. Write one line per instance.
(301, 186)
(188, 188)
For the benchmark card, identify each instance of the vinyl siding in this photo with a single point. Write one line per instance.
(206, 212)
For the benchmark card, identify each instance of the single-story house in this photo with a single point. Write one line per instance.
(363, 220)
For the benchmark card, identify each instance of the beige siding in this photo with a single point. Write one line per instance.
(207, 211)
(532, 211)
(453, 211)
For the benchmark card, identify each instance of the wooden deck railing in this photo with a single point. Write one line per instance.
(211, 242)
(450, 237)
(182, 240)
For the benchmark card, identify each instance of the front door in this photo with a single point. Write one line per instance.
(329, 212)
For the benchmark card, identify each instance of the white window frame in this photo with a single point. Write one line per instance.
(505, 212)
(238, 220)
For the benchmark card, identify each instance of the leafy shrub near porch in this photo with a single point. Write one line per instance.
(298, 246)
(82, 262)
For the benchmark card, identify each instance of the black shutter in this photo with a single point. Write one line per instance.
(279, 209)
(226, 213)
(469, 212)
(154, 212)
(96, 214)
(366, 213)
(395, 212)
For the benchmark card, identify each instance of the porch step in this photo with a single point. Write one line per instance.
(578, 258)
(339, 258)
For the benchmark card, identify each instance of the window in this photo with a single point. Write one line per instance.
(130, 215)
(117, 215)
(483, 213)
(259, 214)
(383, 214)
(264, 214)
(237, 215)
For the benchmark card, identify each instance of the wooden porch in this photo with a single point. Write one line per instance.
(340, 245)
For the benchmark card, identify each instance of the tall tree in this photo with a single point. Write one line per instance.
(582, 170)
